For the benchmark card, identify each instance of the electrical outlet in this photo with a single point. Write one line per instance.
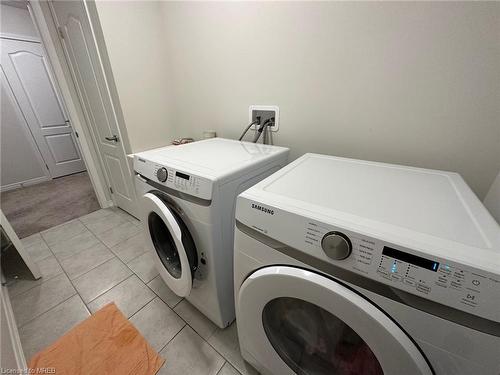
(265, 112)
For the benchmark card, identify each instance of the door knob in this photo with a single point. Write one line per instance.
(114, 138)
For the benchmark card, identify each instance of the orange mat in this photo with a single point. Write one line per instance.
(105, 343)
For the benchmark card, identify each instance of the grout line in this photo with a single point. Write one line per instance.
(93, 268)
(147, 303)
(44, 280)
(64, 271)
(53, 307)
(136, 256)
(71, 281)
(169, 341)
(125, 279)
(165, 302)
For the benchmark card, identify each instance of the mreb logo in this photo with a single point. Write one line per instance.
(263, 209)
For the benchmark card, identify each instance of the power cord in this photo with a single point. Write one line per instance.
(268, 134)
(263, 127)
(256, 122)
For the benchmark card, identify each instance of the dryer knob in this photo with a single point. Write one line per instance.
(162, 174)
(336, 245)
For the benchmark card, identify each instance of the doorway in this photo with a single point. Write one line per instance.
(43, 175)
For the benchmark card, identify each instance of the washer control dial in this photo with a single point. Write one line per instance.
(162, 174)
(336, 245)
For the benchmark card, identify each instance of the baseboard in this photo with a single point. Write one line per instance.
(108, 203)
(18, 185)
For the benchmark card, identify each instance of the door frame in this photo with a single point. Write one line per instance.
(44, 23)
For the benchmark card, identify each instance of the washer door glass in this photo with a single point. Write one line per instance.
(313, 341)
(164, 245)
(171, 242)
(296, 321)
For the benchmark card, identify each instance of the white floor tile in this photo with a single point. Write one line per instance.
(49, 267)
(51, 325)
(144, 267)
(188, 353)
(41, 298)
(36, 247)
(130, 296)
(86, 260)
(199, 322)
(102, 224)
(130, 248)
(164, 292)
(118, 234)
(227, 369)
(74, 245)
(157, 323)
(225, 341)
(101, 279)
(63, 232)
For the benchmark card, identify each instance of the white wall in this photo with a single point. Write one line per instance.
(133, 33)
(414, 83)
(16, 21)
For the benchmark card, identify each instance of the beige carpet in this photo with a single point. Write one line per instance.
(38, 207)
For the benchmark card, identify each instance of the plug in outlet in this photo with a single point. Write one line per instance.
(265, 112)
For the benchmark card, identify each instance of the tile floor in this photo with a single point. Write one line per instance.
(98, 258)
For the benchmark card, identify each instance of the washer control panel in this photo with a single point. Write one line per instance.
(438, 279)
(174, 179)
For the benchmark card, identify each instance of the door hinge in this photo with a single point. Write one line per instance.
(76, 133)
(111, 190)
(61, 34)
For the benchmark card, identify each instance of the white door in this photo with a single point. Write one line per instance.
(28, 75)
(292, 320)
(170, 243)
(87, 71)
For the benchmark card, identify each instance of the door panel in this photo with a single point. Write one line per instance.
(20, 159)
(114, 167)
(28, 74)
(32, 72)
(62, 147)
(87, 71)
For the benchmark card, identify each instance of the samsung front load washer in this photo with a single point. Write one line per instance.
(187, 196)
(352, 267)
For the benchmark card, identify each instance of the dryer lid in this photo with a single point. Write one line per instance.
(433, 208)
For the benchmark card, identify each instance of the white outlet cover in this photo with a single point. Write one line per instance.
(274, 108)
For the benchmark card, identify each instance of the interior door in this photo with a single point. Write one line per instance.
(294, 321)
(28, 75)
(87, 71)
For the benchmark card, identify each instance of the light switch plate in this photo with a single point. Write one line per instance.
(272, 108)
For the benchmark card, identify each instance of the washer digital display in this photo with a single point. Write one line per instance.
(410, 258)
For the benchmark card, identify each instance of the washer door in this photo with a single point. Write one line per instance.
(295, 321)
(171, 243)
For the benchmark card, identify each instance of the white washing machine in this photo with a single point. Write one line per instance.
(353, 267)
(187, 196)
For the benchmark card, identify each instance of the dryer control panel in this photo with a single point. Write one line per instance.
(413, 270)
(172, 178)
(438, 279)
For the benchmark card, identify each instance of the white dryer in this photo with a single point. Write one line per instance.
(353, 267)
(187, 196)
